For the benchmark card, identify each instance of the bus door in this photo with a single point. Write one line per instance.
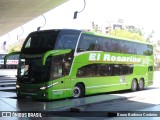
(61, 84)
(56, 75)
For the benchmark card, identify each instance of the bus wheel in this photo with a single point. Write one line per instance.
(134, 85)
(141, 84)
(78, 91)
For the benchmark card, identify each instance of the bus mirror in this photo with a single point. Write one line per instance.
(53, 53)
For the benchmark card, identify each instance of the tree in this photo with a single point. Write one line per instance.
(148, 39)
(158, 43)
(17, 46)
(133, 29)
(126, 34)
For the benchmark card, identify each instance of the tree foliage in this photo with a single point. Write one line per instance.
(126, 34)
(158, 43)
(15, 47)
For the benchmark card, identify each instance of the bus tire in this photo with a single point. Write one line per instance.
(78, 91)
(134, 85)
(141, 84)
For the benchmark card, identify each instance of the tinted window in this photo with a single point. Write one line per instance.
(60, 67)
(88, 70)
(150, 68)
(87, 43)
(32, 71)
(104, 70)
(98, 43)
(128, 47)
(40, 41)
(102, 44)
(116, 45)
(67, 41)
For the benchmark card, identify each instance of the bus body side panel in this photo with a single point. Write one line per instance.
(61, 88)
(141, 72)
(98, 84)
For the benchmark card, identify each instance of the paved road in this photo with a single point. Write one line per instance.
(7, 83)
(146, 100)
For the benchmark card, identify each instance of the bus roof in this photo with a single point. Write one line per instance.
(97, 34)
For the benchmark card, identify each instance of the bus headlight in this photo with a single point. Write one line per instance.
(43, 88)
(17, 86)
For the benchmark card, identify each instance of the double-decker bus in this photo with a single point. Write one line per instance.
(64, 63)
(11, 66)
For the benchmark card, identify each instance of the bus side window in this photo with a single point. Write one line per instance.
(105, 70)
(66, 68)
(87, 43)
(117, 70)
(88, 70)
(57, 67)
(80, 72)
(57, 70)
(150, 68)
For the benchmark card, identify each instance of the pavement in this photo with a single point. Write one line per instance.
(9, 103)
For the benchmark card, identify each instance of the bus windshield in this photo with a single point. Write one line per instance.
(39, 42)
(32, 71)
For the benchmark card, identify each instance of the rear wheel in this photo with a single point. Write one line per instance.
(134, 85)
(141, 84)
(78, 91)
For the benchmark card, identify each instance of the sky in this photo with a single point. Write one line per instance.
(140, 13)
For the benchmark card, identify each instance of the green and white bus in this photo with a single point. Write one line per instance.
(63, 63)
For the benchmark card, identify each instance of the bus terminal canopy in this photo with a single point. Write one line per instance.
(14, 13)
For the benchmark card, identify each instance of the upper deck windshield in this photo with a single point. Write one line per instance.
(42, 41)
(39, 41)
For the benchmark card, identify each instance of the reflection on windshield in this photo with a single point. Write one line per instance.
(32, 71)
(40, 41)
(67, 41)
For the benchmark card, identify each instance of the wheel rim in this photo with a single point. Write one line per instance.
(141, 84)
(134, 85)
(76, 92)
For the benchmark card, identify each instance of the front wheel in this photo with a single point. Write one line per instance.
(78, 91)
(134, 85)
